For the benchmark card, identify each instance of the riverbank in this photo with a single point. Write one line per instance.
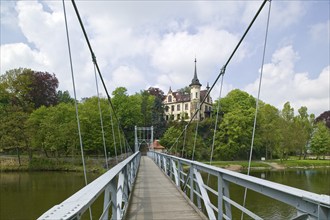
(97, 165)
(11, 164)
(272, 164)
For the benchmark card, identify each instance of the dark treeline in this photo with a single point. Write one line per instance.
(39, 120)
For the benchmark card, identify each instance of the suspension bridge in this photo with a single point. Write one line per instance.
(157, 185)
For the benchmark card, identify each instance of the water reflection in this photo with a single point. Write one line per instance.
(27, 195)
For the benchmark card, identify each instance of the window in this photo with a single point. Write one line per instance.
(186, 106)
(178, 107)
(172, 108)
(178, 117)
(166, 108)
(196, 95)
(169, 99)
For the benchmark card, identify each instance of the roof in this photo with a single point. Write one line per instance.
(156, 145)
(195, 80)
(184, 97)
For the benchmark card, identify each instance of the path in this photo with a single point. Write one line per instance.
(155, 197)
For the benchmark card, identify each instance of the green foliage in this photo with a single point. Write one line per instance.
(320, 143)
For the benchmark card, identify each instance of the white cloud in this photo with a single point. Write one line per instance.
(281, 84)
(20, 55)
(129, 77)
(285, 14)
(175, 54)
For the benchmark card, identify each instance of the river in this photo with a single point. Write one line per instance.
(26, 195)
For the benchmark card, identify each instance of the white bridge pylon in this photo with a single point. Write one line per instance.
(143, 135)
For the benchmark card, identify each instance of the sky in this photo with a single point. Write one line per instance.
(142, 44)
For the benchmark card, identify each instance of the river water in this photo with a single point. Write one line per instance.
(26, 195)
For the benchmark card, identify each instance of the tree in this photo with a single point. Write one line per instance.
(303, 127)
(157, 112)
(235, 130)
(325, 116)
(185, 90)
(269, 122)
(320, 143)
(286, 135)
(64, 97)
(30, 89)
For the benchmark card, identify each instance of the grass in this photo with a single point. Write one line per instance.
(244, 164)
(50, 164)
(304, 163)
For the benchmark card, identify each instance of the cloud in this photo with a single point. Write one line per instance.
(21, 55)
(129, 77)
(281, 83)
(175, 54)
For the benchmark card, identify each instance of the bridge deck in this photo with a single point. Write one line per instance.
(155, 197)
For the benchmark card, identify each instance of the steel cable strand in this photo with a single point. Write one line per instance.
(101, 120)
(195, 139)
(75, 101)
(227, 62)
(113, 134)
(94, 61)
(257, 101)
(215, 126)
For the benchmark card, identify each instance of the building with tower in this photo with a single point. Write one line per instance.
(182, 105)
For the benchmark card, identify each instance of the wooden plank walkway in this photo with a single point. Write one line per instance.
(155, 197)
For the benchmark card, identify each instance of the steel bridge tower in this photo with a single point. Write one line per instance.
(143, 135)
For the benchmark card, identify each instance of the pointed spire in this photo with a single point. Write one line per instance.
(195, 80)
(170, 91)
(207, 87)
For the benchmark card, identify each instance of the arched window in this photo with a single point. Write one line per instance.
(169, 99)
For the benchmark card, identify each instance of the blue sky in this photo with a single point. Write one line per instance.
(139, 44)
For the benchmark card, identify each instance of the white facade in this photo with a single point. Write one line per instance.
(182, 106)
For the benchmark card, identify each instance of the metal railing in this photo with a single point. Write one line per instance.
(116, 185)
(308, 205)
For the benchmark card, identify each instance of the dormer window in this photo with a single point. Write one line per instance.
(169, 99)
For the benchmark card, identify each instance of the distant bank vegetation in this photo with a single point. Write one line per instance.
(37, 120)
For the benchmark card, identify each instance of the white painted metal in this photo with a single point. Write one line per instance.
(78, 203)
(315, 206)
(204, 194)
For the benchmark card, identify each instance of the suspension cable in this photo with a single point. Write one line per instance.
(222, 71)
(113, 135)
(75, 101)
(195, 139)
(95, 62)
(119, 137)
(257, 101)
(215, 125)
(101, 119)
(184, 139)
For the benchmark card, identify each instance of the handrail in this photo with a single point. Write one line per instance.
(116, 191)
(308, 205)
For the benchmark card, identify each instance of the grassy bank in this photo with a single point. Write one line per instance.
(10, 163)
(271, 164)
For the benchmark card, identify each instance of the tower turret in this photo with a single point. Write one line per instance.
(195, 90)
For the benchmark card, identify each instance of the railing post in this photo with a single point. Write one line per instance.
(226, 193)
(119, 194)
(175, 172)
(164, 164)
(179, 172)
(191, 173)
(204, 195)
(220, 196)
(113, 191)
(106, 203)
